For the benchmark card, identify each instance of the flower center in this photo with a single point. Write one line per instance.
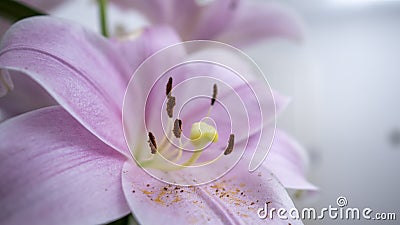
(166, 155)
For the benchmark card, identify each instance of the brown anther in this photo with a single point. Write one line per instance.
(170, 106)
(152, 143)
(169, 87)
(177, 128)
(231, 142)
(214, 96)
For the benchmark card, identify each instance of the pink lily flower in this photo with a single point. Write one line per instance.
(69, 162)
(236, 22)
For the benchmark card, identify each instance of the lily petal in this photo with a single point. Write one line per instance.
(154, 10)
(26, 96)
(248, 135)
(235, 22)
(288, 161)
(212, 19)
(141, 44)
(233, 199)
(53, 170)
(81, 70)
(257, 20)
(193, 20)
(148, 42)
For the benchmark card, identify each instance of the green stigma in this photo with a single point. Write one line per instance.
(203, 134)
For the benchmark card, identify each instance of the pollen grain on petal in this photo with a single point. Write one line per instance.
(146, 192)
(168, 195)
(232, 193)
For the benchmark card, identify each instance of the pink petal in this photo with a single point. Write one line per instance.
(288, 162)
(80, 69)
(257, 20)
(191, 19)
(149, 40)
(27, 95)
(253, 128)
(235, 22)
(54, 171)
(146, 90)
(212, 20)
(155, 10)
(136, 49)
(237, 200)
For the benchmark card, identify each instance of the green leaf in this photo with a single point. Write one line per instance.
(15, 11)
(126, 220)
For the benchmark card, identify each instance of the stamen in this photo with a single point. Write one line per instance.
(171, 99)
(152, 143)
(177, 128)
(169, 87)
(170, 106)
(214, 96)
(229, 148)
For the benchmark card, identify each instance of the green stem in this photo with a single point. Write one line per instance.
(103, 17)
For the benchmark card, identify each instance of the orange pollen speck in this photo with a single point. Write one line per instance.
(146, 192)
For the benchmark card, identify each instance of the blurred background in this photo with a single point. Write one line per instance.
(344, 82)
